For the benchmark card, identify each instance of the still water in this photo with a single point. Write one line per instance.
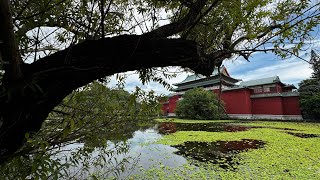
(141, 152)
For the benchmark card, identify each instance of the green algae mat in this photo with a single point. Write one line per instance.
(234, 149)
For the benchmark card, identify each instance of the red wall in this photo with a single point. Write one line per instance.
(291, 105)
(173, 103)
(237, 101)
(279, 87)
(165, 108)
(267, 105)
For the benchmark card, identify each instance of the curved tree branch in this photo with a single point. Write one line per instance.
(48, 80)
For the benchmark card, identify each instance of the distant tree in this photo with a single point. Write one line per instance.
(199, 103)
(310, 91)
(315, 61)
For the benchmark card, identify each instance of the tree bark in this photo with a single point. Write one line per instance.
(47, 81)
(9, 54)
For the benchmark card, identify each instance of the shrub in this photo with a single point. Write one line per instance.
(199, 103)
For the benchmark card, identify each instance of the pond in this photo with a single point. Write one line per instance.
(143, 152)
(140, 152)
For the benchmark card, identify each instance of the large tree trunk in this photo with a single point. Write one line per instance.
(25, 103)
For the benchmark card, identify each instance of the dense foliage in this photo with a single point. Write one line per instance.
(310, 91)
(199, 103)
(90, 127)
(240, 26)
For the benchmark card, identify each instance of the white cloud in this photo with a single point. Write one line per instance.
(289, 71)
(234, 63)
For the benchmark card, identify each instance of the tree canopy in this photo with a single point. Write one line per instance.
(310, 91)
(48, 48)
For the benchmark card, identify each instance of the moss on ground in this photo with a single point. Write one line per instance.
(284, 156)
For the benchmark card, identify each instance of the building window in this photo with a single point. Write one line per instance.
(257, 90)
(273, 89)
(266, 89)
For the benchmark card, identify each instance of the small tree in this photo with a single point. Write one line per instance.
(199, 103)
(310, 98)
(310, 91)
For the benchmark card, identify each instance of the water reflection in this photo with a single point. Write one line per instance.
(167, 128)
(136, 153)
(148, 154)
(171, 127)
(222, 153)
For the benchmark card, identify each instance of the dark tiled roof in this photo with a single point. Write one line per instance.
(196, 77)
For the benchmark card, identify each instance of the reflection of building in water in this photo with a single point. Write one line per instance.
(167, 127)
(266, 98)
(222, 153)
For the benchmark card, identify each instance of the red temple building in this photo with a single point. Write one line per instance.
(266, 98)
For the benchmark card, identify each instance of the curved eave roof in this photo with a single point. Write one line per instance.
(290, 86)
(193, 79)
(202, 84)
(197, 84)
(197, 77)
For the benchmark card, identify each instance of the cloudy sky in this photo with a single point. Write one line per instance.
(291, 70)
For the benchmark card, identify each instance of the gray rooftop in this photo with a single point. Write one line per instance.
(197, 84)
(256, 82)
(194, 77)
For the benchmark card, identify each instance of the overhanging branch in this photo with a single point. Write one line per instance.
(180, 25)
(50, 79)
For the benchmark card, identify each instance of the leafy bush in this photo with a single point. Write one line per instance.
(199, 103)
